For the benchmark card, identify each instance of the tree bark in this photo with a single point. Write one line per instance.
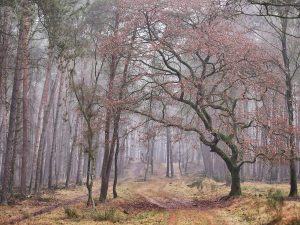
(43, 137)
(26, 106)
(4, 48)
(235, 182)
(55, 126)
(13, 107)
(72, 154)
(168, 152)
(79, 168)
(289, 101)
(42, 109)
(115, 194)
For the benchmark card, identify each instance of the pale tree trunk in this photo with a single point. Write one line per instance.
(152, 155)
(26, 107)
(168, 152)
(43, 137)
(55, 126)
(147, 159)
(179, 158)
(69, 166)
(79, 168)
(171, 158)
(42, 108)
(14, 101)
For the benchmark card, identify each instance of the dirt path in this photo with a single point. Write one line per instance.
(178, 208)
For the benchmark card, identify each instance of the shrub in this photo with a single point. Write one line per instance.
(112, 215)
(71, 213)
(275, 200)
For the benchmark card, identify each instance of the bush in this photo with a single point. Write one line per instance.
(112, 215)
(71, 213)
(275, 200)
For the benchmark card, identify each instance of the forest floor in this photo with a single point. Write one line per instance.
(157, 201)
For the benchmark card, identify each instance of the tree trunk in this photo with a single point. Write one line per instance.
(115, 194)
(289, 101)
(108, 160)
(147, 160)
(4, 48)
(235, 182)
(55, 126)
(26, 107)
(168, 152)
(109, 147)
(42, 108)
(79, 168)
(13, 107)
(71, 154)
(43, 137)
(179, 158)
(152, 155)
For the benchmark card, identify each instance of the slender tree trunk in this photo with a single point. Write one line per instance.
(43, 137)
(5, 24)
(79, 168)
(171, 158)
(106, 172)
(72, 154)
(26, 107)
(289, 101)
(42, 109)
(55, 126)
(152, 155)
(13, 107)
(147, 160)
(115, 194)
(168, 152)
(179, 158)
(17, 144)
(108, 148)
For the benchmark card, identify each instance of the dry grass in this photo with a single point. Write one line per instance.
(132, 208)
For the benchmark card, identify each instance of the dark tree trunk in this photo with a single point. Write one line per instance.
(289, 101)
(115, 194)
(109, 159)
(5, 24)
(109, 145)
(235, 182)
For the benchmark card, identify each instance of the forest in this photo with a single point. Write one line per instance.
(149, 112)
